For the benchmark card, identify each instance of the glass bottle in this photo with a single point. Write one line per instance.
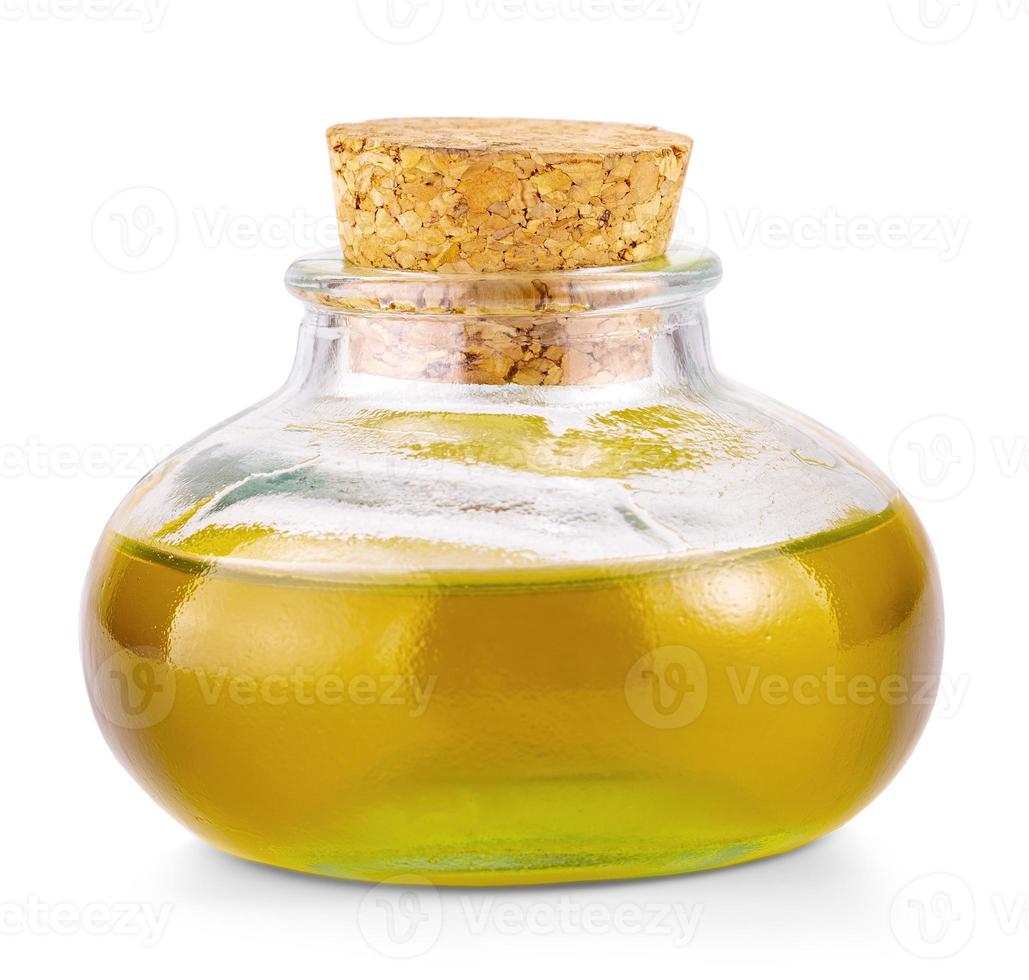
(507, 584)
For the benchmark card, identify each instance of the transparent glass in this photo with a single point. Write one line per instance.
(507, 584)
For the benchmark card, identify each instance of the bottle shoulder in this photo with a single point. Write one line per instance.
(441, 478)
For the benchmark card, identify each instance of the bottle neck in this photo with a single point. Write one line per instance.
(513, 357)
(565, 336)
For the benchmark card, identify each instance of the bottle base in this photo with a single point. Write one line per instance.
(534, 865)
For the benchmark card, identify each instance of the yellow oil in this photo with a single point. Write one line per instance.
(483, 726)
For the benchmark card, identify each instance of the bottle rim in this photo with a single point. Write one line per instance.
(326, 280)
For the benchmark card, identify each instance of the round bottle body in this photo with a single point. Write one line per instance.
(504, 634)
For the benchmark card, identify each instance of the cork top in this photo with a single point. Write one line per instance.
(486, 195)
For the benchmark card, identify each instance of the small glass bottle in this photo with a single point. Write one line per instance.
(508, 585)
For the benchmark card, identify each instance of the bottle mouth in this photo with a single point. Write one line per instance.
(325, 279)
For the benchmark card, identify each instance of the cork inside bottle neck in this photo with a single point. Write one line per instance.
(583, 327)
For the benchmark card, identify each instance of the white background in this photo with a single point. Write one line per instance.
(862, 170)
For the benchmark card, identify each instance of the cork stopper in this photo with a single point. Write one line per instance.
(488, 195)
